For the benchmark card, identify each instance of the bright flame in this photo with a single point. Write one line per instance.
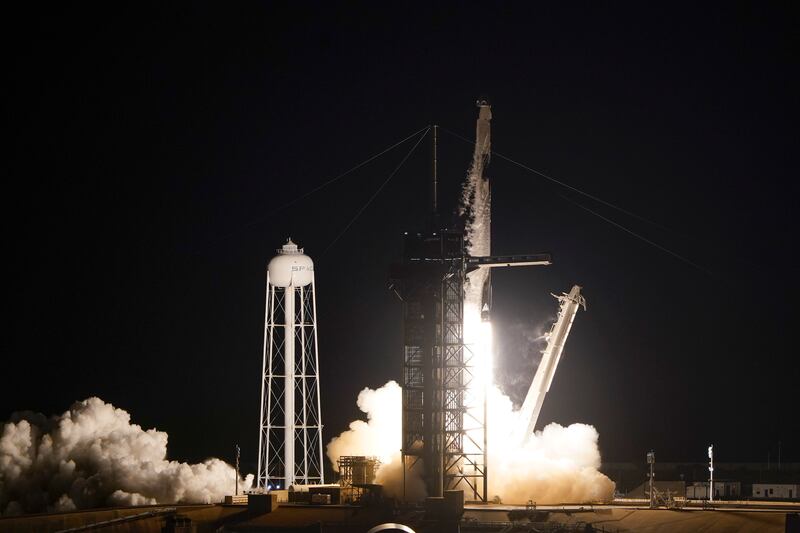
(479, 340)
(558, 464)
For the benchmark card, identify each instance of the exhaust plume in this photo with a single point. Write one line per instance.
(92, 456)
(557, 465)
(380, 435)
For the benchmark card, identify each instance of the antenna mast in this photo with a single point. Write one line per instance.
(435, 175)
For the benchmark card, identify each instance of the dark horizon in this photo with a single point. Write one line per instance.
(151, 147)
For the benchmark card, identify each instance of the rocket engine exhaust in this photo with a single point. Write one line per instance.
(556, 465)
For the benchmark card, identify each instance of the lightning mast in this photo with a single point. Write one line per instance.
(711, 473)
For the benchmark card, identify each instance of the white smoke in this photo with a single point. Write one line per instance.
(380, 436)
(556, 465)
(92, 456)
(476, 201)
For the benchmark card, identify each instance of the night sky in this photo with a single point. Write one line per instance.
(151, 150)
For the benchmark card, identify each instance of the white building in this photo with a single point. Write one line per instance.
(723, 490)
(776, 491)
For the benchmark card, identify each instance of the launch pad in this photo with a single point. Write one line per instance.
(345, 519)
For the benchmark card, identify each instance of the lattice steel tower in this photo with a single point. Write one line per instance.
(444, 435)
(437, 368)
(290, 431)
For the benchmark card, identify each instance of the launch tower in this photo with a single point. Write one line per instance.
(290, 431)
(444, 413)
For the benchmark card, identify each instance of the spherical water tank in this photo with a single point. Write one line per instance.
(291, 267)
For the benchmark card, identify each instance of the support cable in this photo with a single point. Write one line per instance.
(325, 184)
(562, 184)
(375, 194)
(343, 174)
(595, 213)
(631, 232)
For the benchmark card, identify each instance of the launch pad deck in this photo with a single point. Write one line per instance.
(739, 518)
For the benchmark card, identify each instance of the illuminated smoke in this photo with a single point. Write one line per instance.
(380, 436)
(92, 456)
(557, 465)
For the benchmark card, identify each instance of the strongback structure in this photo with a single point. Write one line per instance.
(290, 430)
(444, 416)
(551, 355)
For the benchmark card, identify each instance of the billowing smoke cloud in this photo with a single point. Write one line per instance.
(380, 436)
(92, 456)
(557, 465)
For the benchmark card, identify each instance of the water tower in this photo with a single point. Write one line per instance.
(290, 433)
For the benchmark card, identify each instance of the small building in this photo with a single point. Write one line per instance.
(330, 493)
(357, 476)
(723, 490)
(776, 491)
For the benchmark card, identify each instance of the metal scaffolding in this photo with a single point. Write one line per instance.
(444, 416)
(356, 472)
(437, 367)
